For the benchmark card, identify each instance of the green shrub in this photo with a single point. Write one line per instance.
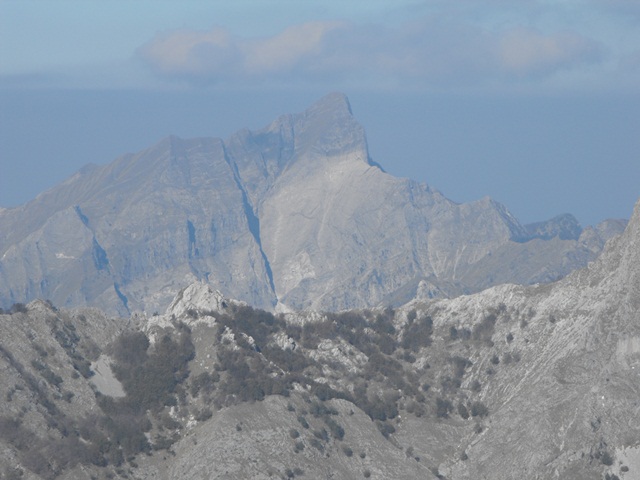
(418, 334)
(317, 444)
(385, 428)
(449, 384)
(335, 428)
(163, 443)
(324, 392)
(321, 409)
(204, 382)
(384, 322)
(379, 408)
(82, 365)
(150, 379)
(51, 378)
(453, 333)
(303, 421)
(386, 343)
(460, 365)
(386, 366)
(204, 415)
(19, 308)
(38, 365)
(12, 473)
(258, 324)
(290, 361)
(443, 407)
(483, 331)
(321, 435)
(606, 458)
(130, 349)
(479, 409)
(462, 411)
(40, 350)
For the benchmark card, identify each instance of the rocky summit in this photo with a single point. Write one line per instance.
(530, 382)
(293, 216)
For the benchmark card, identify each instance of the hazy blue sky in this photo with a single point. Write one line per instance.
(534, 103)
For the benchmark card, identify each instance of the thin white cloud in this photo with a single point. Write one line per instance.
(524, 51)
(184, 52)
(432, 51)
(216, 54)
(285, 50)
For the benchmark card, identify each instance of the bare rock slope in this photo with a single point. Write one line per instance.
(295, 215)
(514, 382)
(566, 408)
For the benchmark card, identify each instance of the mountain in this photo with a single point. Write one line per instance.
(565, 409)
(292, 216)
(528, 382)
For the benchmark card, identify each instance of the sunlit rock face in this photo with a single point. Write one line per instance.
(515, 381)
(295, 215)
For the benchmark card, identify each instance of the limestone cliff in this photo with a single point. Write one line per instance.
(295, 215)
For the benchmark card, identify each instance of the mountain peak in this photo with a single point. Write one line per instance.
(328, 128)
(331, 110)
(564, 226)
(292, 213)
(335, 102)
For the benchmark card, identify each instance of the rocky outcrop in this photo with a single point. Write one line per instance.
(565, 409)
(513, 382)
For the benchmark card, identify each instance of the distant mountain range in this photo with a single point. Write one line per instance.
(292, 216)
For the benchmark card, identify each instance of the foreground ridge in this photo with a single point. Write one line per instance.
(513, 382)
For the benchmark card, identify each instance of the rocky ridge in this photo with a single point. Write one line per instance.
(513, 382)
(293, 216)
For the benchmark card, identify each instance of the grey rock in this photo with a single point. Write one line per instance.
(555, 365)
(570, 397)
(295, 215)
(565, 226)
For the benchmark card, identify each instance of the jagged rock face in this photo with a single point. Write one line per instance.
(567, 408)
(514, 382)
(201, 299)
(292, 216)
(566, 227)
